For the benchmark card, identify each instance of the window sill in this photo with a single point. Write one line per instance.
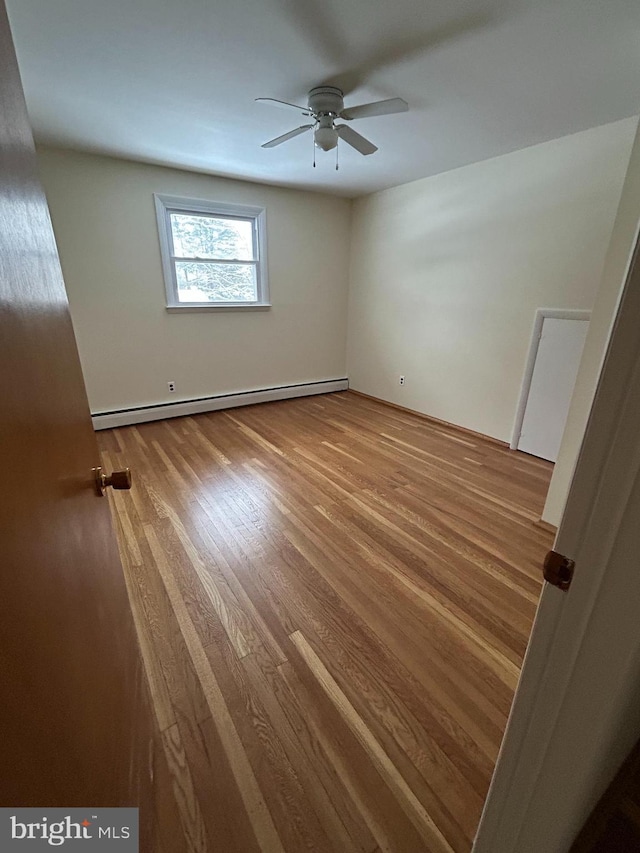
(197, 308)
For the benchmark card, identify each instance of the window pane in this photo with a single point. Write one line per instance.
(198, 282)
(211, 237)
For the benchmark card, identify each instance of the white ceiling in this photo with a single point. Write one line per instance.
(173, 81)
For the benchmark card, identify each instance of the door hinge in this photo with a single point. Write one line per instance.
(558, 570)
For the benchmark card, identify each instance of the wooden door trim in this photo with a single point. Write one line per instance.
(540, 316)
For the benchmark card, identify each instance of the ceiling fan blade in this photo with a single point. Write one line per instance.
(392, 51)
(319, 28)
(287, 136)
(355, 140)
(377, 108)
(284, 105)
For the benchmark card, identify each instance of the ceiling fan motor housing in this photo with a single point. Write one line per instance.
(326, 100)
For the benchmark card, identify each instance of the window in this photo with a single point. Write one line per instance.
(213, 254)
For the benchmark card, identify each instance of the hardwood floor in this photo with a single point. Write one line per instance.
(333, 600)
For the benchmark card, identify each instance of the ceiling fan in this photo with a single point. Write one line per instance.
(325, 105)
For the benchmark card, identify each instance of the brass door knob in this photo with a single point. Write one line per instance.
(117, 480)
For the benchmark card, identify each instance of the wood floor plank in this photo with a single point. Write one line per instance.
(410, 804)
(161, 701)
(307, 758)
(418, 624)
(494, 657)
(333, 599)
(184, 792)
(256, 809)
(218, 796)
(182, 683)
(171, 834)
(196, 580)
(373, 614)
(329, 609)
(356, 775)
(296, 820)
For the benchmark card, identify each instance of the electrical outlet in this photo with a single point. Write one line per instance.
(171, 386)
(402, 380)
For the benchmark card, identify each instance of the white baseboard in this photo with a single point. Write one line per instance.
(126, 417)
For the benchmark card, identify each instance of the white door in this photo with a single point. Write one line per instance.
(554, 376)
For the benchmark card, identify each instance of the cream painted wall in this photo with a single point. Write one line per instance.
(617, 260)
(130, 346)
(446, 272)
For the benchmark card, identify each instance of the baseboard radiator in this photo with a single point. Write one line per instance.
(159, 411)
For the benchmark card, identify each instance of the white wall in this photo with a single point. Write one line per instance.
(446, 272)
(130, 346)
(617, 260)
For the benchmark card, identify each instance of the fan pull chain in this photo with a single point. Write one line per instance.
(337, 149)
(313, 140)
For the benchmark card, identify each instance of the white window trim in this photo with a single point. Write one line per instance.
(166, 204)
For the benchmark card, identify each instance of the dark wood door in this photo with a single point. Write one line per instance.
(74, 724)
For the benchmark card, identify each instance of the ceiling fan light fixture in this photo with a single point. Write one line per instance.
(325, 105)
(326, 138)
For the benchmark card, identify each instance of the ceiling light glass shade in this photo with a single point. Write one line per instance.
(326, 138)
